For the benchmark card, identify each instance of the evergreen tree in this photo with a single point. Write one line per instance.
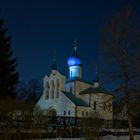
(8, 73)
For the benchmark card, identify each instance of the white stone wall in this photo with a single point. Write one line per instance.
(70, 85)
(80, 86)
(53, 84)
(59, 103)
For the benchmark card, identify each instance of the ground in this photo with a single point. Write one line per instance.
(109, 137)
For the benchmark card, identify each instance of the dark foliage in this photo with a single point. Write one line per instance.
(8, 65)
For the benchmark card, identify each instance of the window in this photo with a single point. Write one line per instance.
(104, 107)
(69, 112)
(70, 89)
(82, 113)
(79, 73)
(94, 106)
(47, 94)
(47, 91)
(57, 88)
(86, 113)
(52, 89)
(64, 112)
(109, 107)
(70, 74)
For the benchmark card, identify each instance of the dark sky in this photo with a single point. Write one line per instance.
(40, 27)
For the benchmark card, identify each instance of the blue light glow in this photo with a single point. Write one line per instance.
(74, 73)
(74, 61)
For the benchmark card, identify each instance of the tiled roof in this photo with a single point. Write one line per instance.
(75, 100)
(79, 79)
(95, 90)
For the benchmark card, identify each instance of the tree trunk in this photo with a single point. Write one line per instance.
(127, 97)
(131, 132)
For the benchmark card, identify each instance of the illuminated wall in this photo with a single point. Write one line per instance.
(75, 71)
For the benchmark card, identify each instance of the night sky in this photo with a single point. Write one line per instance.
(41, 27)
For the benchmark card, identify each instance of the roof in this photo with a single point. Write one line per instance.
(79, 79)
(95, 90)
(75, 100)
(74, 61)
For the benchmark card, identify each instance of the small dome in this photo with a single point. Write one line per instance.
(54, 66)
(74, 60)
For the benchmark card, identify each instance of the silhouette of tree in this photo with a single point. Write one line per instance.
(22, 91)
(35, 90)
(30, 91)
(8, 72)
(119, 47)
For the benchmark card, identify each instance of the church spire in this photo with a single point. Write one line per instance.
(96, 73)
(75, 45)
(96, 81)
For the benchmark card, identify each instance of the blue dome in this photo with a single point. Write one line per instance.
(54, 66)
(74, 61)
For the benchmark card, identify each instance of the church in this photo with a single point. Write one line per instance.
(74, 96)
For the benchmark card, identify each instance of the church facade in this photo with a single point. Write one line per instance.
(74, 96)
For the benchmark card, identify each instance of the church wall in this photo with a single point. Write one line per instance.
(107, 112)
(53, 84)
(102, 103)
(70, 87)
(83, 111)
(62, 105)
(67, 106)
(81, 86)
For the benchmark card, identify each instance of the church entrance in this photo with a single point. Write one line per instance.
(51, 113)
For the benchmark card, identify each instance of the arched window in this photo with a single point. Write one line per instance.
(94, 105)
(109, 107)
(70, 89)
(47, 91)
(57, 88)
(86, 113)
(52, 89)
(69, 112)
(83, 113)
(64, 112)
(70, 74)
(104, 106)
(79, 73)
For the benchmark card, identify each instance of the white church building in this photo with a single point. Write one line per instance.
(74, 96)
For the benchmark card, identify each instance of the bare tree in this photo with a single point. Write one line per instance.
(35, 90)
(30, 91)
(119, 48)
